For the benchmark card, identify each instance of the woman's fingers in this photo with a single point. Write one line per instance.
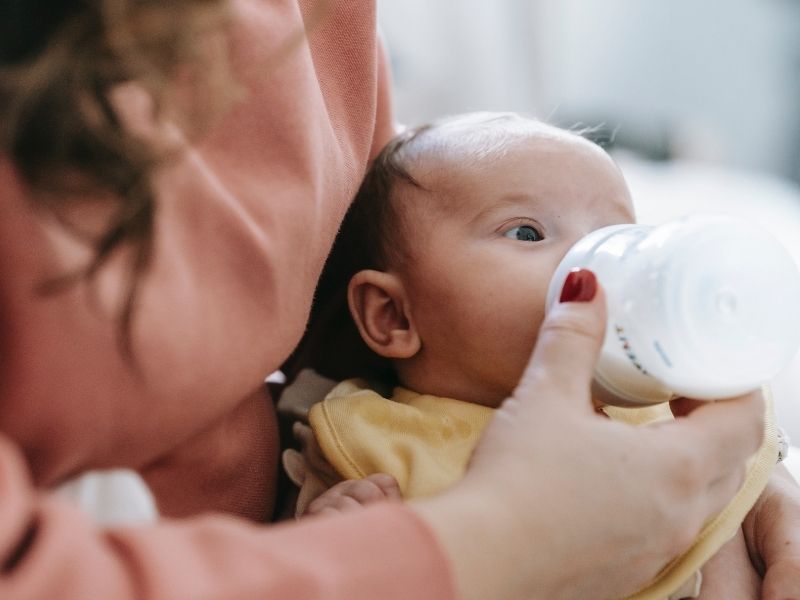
(722, 490)
(703, 454)
(569, 343)
(721, 435)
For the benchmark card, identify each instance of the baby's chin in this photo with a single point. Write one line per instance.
(492, 402)
(492, 399)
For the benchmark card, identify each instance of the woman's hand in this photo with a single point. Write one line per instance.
(559, 502)
(772, 532)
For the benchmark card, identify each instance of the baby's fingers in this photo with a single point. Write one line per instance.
(339, 504)
(355, 493)
(373, 488)
(387, 484)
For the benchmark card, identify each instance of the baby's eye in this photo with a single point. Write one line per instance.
(524, 233)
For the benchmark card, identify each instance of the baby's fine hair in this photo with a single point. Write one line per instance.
(375, 219)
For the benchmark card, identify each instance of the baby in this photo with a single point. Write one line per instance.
(451, 244)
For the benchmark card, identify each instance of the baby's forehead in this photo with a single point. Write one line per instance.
(473, 138)
(462, 145)
(451, 154)
(476, 159)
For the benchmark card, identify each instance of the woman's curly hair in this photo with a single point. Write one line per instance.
(60, 61)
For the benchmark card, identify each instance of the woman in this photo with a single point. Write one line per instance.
(149, 283)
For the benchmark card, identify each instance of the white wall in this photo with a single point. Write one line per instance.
(460, 55)
(721, 76)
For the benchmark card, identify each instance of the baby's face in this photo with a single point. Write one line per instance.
(484, 245)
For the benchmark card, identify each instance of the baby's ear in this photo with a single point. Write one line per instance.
(379, 307)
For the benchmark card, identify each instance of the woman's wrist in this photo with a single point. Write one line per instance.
(489, 550)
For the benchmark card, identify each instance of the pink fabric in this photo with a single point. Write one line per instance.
(50, 550)
(244, 224)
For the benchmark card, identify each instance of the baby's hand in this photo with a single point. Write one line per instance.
(354, 494)
(730, 574)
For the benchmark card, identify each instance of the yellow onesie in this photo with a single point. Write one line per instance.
(425, 442)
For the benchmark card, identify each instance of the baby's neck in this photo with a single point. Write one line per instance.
(451, 388)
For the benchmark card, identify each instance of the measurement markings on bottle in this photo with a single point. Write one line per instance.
(662, 354)
(626, 348)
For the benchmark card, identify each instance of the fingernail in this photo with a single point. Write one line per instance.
(580, 286)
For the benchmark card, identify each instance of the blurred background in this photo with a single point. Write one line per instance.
(699, 102)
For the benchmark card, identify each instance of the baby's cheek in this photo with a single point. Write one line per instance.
(513, 341)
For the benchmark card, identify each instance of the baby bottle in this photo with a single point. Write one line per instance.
(703, 306)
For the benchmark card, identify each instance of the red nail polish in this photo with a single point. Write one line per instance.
(579, 286)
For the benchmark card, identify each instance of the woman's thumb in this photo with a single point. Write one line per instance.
(569, 341)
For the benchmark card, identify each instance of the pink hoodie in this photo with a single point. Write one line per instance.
(244, 224)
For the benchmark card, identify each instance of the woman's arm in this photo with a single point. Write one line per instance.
(50, 550)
